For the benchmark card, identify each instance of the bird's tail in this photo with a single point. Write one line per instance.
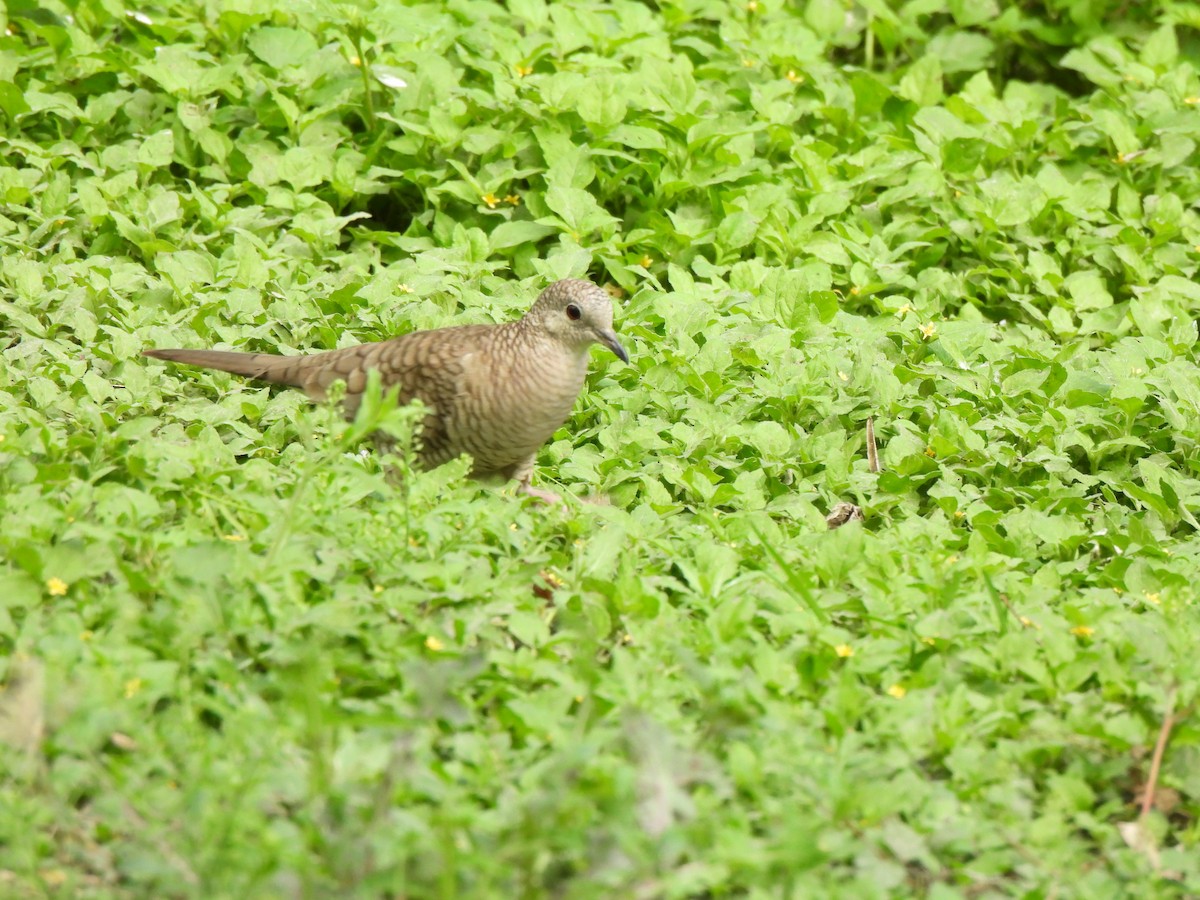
(263, 366)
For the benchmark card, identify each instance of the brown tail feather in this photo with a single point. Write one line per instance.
(263, 366)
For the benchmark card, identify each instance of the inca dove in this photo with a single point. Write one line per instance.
(497, 392)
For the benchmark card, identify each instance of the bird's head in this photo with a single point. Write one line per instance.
(578, 314)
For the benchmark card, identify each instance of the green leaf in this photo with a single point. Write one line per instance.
(513, 234)
(637, 137)
(825, 17)
(922, 83)
(156, 151)
(578, 210)
(1091, 67)
(12, 100)
(736, 230)
(1161, 49)
(1088, 291)
(961, 51)
(282, 48)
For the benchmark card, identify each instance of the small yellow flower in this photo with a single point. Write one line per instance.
(794, 77)
(579, 698)
(3, 438)
(491, 200)
(752, 6)
(378, 589)
(843, 376)
(1083, 631)
(951, 559)
(1191, 101)
(931, 641)
(958, 514)
(522, 71)
(233, 538)
(855, 291)
(86, 635)
(512, 200)
(844, 650)
(355, 61)
(646, 261)
(930, 452)
(957, 193)
(898, 691)
(132, 686)
(627, 639)
(551, 578)
(1153, 598)
(748, 63)
(928, 330)
(903, 310)
(403, 289)
(433, 644)
(1026, 621)
(56, 586)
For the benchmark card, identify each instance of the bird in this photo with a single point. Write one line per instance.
(496, 392)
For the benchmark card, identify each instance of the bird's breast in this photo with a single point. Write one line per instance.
(512, 406)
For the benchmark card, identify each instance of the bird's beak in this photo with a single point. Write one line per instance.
(609, 340)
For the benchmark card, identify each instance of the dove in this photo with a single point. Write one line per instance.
(497, 392)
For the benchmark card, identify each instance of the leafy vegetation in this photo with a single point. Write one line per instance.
(239, 661)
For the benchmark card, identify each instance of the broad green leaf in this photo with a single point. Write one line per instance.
(281, 48)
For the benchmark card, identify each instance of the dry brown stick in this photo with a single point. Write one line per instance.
(1160, 747)
(1008, 605)
(872, 449)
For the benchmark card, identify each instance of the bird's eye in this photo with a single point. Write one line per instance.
(573, 312)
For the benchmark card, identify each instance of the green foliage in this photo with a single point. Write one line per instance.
(268, 666)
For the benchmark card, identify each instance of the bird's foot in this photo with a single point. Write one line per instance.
(548, 497)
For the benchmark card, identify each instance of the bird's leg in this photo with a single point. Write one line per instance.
(524, 475)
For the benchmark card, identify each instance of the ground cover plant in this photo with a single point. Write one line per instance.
(239, 661)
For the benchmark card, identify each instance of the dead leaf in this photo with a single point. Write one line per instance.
(122, 741)
(1138, 837)
(843, 513)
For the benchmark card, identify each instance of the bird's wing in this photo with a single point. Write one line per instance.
(429, 365)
